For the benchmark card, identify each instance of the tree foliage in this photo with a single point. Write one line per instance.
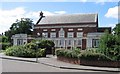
(27, 51)
(20, 26)
(110, 43)
(4, 42)
(4, 39)
(47, 44)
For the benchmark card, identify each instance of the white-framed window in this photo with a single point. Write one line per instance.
(95, 43)
(79, 34)
(44, 29)
(75, 42)
(60, 42)
(79, 42)
(19, 41)
(70, 35)
(45, 34)
(70, 29)
(79, 29)
(53, 29)
(61, 35)
(53, 35)
(69, 42)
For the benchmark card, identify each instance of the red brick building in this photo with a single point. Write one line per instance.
(67, 31)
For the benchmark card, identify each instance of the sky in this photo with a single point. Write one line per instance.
(11, 10)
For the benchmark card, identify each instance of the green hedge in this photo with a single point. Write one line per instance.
(68, 53)
(27, 50)
(91, 54)
(5, 45)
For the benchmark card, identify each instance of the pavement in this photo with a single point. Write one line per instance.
(52, 61)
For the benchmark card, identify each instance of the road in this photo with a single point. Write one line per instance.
(21, 66)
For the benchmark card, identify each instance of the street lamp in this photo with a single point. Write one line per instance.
(37, 42)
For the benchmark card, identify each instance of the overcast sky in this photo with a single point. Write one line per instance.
(10, 10)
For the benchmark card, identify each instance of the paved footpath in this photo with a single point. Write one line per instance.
(50, 60)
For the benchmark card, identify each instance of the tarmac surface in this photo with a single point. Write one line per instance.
(52, 61)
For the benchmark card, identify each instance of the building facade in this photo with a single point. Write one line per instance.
(19, 39)
(68, 31)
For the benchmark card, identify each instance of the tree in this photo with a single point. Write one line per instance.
(110, 44)
(4, 42)
(117, 40)
(117, 29)
(20, 26)
(117, 34)
(47, 44)
(4, 39)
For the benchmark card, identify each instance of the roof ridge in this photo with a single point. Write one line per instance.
(74, 14)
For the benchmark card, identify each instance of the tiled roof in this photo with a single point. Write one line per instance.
(73, 18)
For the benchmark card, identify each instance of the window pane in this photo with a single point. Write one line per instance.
(61, 35)
(19, 41)
(95, 42)
(79, 42)
(79, 34)
(69, 42)
(70, 34)
(60, 43)
(53, 35)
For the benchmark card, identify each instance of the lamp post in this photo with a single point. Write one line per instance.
(38, 34)
(43, 36)
(37, 42)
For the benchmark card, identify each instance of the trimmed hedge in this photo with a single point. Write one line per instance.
(94, 56)
(68, 53)
(28, 50)
(5, 45)
(91, 54)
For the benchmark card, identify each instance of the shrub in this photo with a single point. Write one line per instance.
(5, 45)
(93, 56)
(76, 50)
(24, 51)
(68, 53)
(14, 50)
(47, 44)
(92, 50)
(60, 52)
(90, 54)
(30, 46)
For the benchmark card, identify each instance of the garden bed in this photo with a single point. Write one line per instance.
(115, 64)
